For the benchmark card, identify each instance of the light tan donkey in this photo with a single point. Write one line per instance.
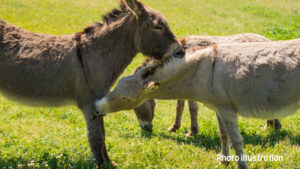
(47, 70)
(145, 112)
(254, 80)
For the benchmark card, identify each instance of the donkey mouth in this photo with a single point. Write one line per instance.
(146, 126)
(102, 107)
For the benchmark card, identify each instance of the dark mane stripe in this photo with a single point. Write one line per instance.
(215, 48)
(152, 65)
(108, 18)
(91, 28)
(113, 15)
(199, 44)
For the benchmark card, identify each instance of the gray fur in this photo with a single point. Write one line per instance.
(48, 70)
(258, 79)
(193, 42)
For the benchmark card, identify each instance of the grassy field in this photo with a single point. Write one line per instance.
(56, 138)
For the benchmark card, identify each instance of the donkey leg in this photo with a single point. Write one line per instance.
(229, 118)
(269, 124)
(96, 137)
(275, 124)
(193, 107)
(179, 110)
(225, 142)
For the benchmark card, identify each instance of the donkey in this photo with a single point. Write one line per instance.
(145, 112)
(257, 79)
(76, 69)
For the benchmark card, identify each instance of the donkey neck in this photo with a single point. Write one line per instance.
(120, 44)
(108, 52)
(188, 78)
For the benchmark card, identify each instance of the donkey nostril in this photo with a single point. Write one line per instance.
(147, 126)
(179, 53)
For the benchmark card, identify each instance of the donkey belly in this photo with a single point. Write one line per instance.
(36, 96)
(46, 102)
(268, 99)
(36, 85)
(270, 113)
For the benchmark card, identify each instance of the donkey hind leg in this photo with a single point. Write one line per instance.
(225, 142)
(179, 110)
(96, 137)
(193, 107)
(229, 118)
(275, 124)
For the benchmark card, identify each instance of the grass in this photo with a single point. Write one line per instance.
(56, 137)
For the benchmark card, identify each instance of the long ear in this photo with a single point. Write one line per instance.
(136, 6)
(151, 86)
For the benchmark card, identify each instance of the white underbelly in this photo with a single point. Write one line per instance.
(39, 102)
(267, 113)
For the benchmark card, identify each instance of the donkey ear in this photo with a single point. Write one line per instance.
(136, 6)
(151, 86)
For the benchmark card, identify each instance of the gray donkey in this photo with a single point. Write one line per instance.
(145, 112)
(257, 79)
(47, 70)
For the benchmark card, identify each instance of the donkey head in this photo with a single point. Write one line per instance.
(129, 93)
(153, 36)
(132, 91)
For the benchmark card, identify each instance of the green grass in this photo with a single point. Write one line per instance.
(56, 138)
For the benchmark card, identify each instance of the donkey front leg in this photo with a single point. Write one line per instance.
(179, 110)
(193, 107)
(228, 116)
(96, 137)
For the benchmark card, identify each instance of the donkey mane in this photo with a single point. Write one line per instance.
(153, 65)
(113, 16)
(195, 46)
(110, 17)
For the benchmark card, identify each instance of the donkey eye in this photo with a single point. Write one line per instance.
(157, 28)
(125, 98)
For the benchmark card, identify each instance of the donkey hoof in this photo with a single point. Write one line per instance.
(277, 125)
(276, 129)
(114, 164)
(172, 129)
(190, 134)
(243, 165)
(225, 162)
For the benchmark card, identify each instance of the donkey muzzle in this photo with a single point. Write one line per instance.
(102, 107)
(146, 126)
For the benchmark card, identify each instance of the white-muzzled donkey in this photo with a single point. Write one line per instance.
(145, 112)
(257, 79)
